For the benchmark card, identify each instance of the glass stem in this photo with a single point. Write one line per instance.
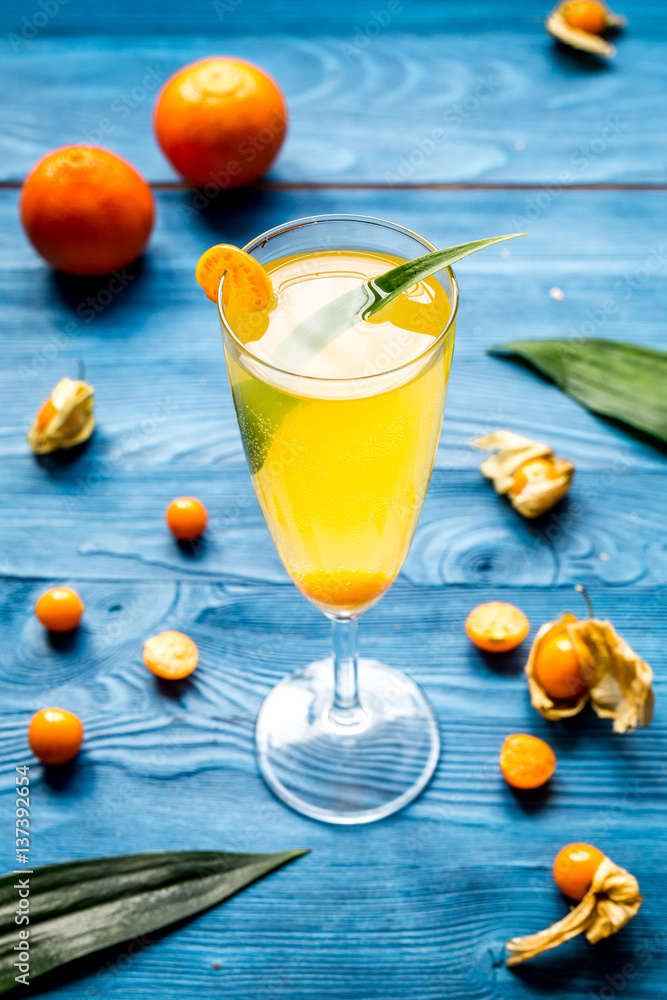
(346, 707)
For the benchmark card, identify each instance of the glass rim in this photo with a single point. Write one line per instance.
(371, 220)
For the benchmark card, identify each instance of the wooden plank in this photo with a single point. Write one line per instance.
(299, 17)
(416, 905)
(174, 431)
(500, 103)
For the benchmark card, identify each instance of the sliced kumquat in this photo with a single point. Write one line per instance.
(59, 609)
(249, 282)
(526, 761)
(46, 415)
(55, 735)
(497, 626)
(186, 517)
(574, 868)
(557, 668)
(171, 655)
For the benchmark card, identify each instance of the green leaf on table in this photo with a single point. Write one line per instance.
(622, 381)
(83, 906)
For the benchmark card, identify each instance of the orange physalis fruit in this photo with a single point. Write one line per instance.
(186, 517)
(55, 735)
(526, 761)
(574, 868)
(171, 655)
(46, 415)
(557, 668)
(248, 281)
(585, 15)
(59, 609)
(537, 470)
(497, 626)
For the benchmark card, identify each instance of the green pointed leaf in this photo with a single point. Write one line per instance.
(322, 327)
(400, 278)
(83, 906)
(617, 380)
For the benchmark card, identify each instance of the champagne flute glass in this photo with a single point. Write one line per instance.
(340, 443)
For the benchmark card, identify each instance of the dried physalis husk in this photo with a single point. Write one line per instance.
(563, 25)
(611, 901)
(544, 482)
(618, 682)
(65, 419)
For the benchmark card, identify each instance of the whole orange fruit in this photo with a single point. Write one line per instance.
(86, 210)
(220, 122)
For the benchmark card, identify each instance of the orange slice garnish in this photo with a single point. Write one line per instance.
(249, 283)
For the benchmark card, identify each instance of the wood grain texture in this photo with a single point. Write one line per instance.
(174, 431)
(300, 17)
(493, 105)
(434, 891)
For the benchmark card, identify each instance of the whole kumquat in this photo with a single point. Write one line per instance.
(574, 868)
(171, 655)
(585, 15)
(526, 761)
(248, 281)
(497, 626)
(186, 517)
(59, 609)
(557, 668)
(537, 470)
(55, 735)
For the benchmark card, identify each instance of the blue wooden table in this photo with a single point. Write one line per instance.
(535, 138)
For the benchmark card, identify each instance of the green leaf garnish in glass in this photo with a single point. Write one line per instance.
(404, 276)
(265, 407)
(318, 330)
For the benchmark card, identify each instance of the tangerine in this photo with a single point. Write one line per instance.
(220, 122)
(86, 210)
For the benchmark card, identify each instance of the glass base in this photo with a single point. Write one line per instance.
(354, 767)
